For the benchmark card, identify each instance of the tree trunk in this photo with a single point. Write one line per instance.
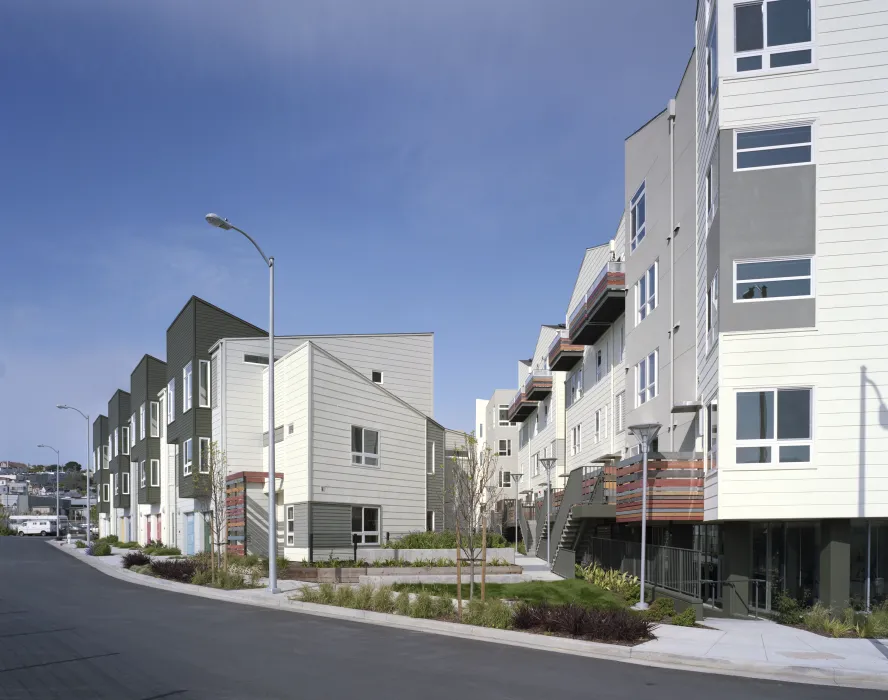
(212, 551)
(483, 555)
(458, 575)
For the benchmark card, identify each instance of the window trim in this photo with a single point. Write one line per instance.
(775, 443)
(106, 492)
(124, 484)
(363, 532)
(499, 447)
(381, 376)
(785, 258)
(362, 456)
(576, 440)
(503, 423)
(430, 464)
(290, 527)
(635, 239)
(201, 468)
(767, 51)
(711, 58)
(154, 419)
(647, 387)
(143, 477)
(432, 513)
(124, 439)
(712, 315)
(171, 401)
(143, 428)
(620, 415)
(772, 127)
(187, 389)
(648, 305)
(200, 367)
(187, 463)
(154, 467)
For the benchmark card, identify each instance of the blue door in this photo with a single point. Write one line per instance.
(189, 533)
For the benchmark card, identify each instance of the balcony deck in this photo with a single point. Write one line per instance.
(603, 304)
(538, 385)
(564, 355)
(521, 407)
(675, 491)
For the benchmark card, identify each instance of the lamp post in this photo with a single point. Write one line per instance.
(65, 406)
(548, 463)
(516, 478)
(224, 224)
(58, 511)
(645, 433)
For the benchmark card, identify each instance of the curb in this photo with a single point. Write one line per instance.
(846, 678)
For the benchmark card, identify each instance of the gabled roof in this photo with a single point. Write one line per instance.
(195, 299)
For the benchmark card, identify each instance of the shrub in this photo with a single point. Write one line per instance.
(127, 545)
(877, 622)
(6, 531)
(445, 539)
(660, 609)
(345, 597)
(181, 570)
(402, 604)
(162, 551)
(492, 613)
(787, 610)
(574, 620)
(364, 597)
(383, 600)
(522, 549)
(80, 544)
(423, 606)
(110, 539)
(686, 618)
(326, 594)
(443, 608)
(131, 559)
(228, 581)
(100, 549)
(619, 582)
(142, 569)
(308, 594)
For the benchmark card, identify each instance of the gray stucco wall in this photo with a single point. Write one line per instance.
(762, 214)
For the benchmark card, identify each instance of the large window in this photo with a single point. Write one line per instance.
(125, 440)
(106, 493)
(646, 293)
(430, 457)
(773, 147)
(205, 455)
(124, 483)
(774, 426)
(620, 412)
(187, 457)
(712, 312)
(646, 379)
(171, 401)
(155, 472)
(637, 219)
(291, 526)
(712, 434)
(576, 439)
(365, 446)
(143, 477)
(504, 449)
(503, 410)
(187, 387)
(712, 62)
(575, 386)
(365, 525)
(116, 443)
(142, 426)
(203, 383)
(773, 279)
(106, 454)
(773, 34)
(132, 427)
(505, 479)
(154, 419)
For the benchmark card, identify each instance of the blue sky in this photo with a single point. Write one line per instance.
(412, 166)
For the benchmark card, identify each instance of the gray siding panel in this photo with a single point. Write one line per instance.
(118, 417)
(301, 525)
(100, 439)
(330, 526)
(435, 481)
(146, 381)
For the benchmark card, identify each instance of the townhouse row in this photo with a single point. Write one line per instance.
(738, 305)
(359, 455)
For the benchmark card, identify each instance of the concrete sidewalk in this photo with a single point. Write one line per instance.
(747, 648)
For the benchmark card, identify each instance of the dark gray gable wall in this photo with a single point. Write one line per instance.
(435, 482)
(100, 439)
(146, 381)
(118, 417)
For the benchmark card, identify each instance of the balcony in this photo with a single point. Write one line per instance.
(563, 355)
(603, 304)
(520, 408)
(675, 491)
(538, 384)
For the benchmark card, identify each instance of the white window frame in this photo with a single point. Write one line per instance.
(710, 436)
(203, 465)
(203, 392)
(171, 401)
(772, 127)
(291, 525)
(711, 59)
(505, 479)
(364, 532)
(430, 458)
(637, 234)
(620, 412)
(712, 313)
(645, 299)
(187, 447)
(187, 397)
(154, 419)
(143, 477)
(154, 466)
(504, 452)
(106, 455)
(767, 51)
(710, 195)
(649, 391)
(428, 513)
(142, 426)
(576, 439)
(124, 483)
(133, 433)
(381, 376)
(125, 439)
(737, 263)
(776, 443)
(359, 458)
(503, 423)
(106, 493)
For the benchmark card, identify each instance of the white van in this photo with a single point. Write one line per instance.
(43, 525)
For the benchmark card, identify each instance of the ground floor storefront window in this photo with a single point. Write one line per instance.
(869, 563)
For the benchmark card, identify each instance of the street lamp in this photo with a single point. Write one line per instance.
(548, 464)
(64, 406)
(225, 225)
(58, 519)
(645, 433)
(516, 478)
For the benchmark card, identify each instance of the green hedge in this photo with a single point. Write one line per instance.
(445, 539)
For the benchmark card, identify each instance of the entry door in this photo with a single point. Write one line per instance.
(189, 533)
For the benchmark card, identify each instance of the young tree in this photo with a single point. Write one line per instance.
(210, 483)
(473, 487)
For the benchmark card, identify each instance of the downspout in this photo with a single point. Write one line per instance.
(671, 242)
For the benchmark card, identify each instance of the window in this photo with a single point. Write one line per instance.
(142, 476)
(480, 430)
(576, 440)
(646, 293)
(155, 472)
(504, 415)
(203, 383)
(205, 455)
(710, 195)
(430, 521)
(106, 449)
(291, 526)
(774, 426)
(620, 412)
(171, 401)
(278, 436)
(621, 346)
(376, 376)
(600, 424)
(125, 440)
(646, 379)
(712, 312)
(773, 279)
(505, 479)
(256, 359)
(599, 366)
(124, 483)
(773, 34)
(430, 457)
(187, 456)
(575, 386)
(142, 426)
(186, 388)
(365, 525)
(106, 493)
(712, 63)
(774, 147)
(365, 446)
(712, 434)
(504, 448)
(535, 465)
(116, 485)
(637, 219)
(154, 419)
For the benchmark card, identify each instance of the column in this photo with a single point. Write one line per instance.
(835, 563)
(737, 543)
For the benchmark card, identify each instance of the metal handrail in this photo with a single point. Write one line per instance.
(536, 374)
(610, 266)
(562, 335)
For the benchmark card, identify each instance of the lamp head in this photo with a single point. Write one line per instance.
(548, 462)
(516, 477)
(41, 445)
(217, 221)
(645, 432)
(61, 405)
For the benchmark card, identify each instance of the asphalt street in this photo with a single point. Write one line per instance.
(69, 631)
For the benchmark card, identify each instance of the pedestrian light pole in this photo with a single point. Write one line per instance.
(64, 406)
(516, 478)
(548, 464)
(58, 511)
(645, 433)
(224, 224)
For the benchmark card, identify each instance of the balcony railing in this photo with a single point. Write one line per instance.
(600, 306)
(563, 354)
(521, 407)
(538, 384)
